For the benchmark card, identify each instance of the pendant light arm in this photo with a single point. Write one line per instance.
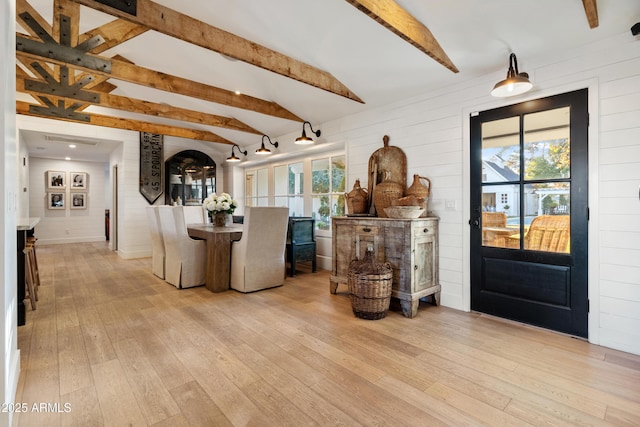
(317, 133)
(233, 157)
(275, 144)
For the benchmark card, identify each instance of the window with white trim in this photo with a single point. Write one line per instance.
(257, 187)
(289, 187)
(327, 189)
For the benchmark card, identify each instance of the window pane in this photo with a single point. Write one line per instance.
(501, 216)
(501, 150)
(322, 212)
(547, 149)
(337, 205)
(337, 174)
(281, 201)
(296, 206)
(320, 176)
(263, 182)
(547, 222)
(281, 180)
(250, 186)
(296, 178)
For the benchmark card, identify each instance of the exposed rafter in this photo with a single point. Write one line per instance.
(393, 17)
(143, 107)
(191, 30)
(121, 70)
(591, 9)
(48, 44)
(128, 124)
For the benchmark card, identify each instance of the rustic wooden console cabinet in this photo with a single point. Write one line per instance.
(409, 245)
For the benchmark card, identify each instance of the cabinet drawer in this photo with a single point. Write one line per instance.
(367, 229)
(424, 230)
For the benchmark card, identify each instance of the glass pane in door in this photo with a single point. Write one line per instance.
(501, 215)
(501, 150)
(547, 150)
(547, 217)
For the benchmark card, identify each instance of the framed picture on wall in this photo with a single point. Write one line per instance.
(55, 200)
(78, 200)
(78, 181)
(56, 180)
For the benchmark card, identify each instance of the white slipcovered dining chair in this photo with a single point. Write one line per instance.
(257, 259)
(193, 215)
(185, 258)
(157, 243)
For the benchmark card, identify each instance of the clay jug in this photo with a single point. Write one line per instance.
(420, 191)
(385, 193)
(357, 199)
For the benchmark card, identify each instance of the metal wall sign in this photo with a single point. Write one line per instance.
(151, 166)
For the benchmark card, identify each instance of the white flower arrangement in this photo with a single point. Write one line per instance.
(223, 203)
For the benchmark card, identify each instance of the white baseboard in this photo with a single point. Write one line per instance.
(61, 241)
(134, 254)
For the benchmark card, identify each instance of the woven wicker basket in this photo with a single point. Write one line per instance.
(385, 193)
(369, 285)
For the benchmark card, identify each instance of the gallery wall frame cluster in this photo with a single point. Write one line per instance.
(57, 186)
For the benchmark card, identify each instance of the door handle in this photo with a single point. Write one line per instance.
(475, 222)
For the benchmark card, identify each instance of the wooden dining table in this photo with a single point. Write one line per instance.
(218, 269)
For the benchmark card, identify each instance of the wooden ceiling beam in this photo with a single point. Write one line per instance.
(133, 105)
(121, 70)
(591, 9)
(175, 24)
(114, 33)
(70, 11)
(396, 19)
(133, 125)
(23, 7)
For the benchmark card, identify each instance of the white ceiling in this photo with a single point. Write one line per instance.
(334, 36)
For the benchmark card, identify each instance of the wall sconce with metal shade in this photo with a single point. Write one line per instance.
(304, 139)
(516, 83)
(233, 158)
(263, 150)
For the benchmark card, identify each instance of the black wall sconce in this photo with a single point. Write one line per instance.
(516, 83)
(263, 150)
(233, 157)
(304, 139)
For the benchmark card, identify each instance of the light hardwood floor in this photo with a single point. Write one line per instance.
(111, 344)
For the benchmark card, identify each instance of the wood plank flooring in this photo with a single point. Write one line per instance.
(111, 344)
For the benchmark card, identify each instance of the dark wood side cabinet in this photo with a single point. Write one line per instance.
(301, 242)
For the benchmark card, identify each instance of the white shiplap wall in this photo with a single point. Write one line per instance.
(619, 202)
(433, 131)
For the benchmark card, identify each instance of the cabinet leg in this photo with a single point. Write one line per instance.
(409, 308)
(436, 298)
(333, 287)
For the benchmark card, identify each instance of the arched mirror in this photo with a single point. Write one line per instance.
(190, 178)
